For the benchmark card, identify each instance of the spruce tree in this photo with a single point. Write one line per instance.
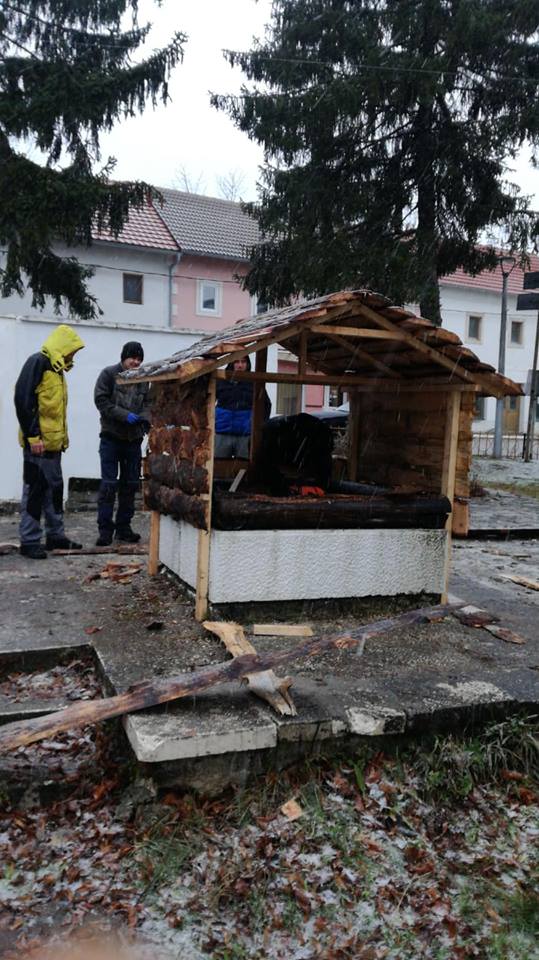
(387, 126)
(67, 74)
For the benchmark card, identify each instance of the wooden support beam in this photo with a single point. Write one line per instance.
(257, 420)
(363, 355)
(449, 468)
(354, 426)
(204, 536)
(345, 380)
(153, 553)
(302, 365)
(436, 356)
(363, 333)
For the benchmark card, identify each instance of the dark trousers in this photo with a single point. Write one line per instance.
(42, 493)
(117, 457)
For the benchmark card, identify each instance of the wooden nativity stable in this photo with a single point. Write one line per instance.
(387, 531)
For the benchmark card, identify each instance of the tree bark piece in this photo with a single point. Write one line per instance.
(264, 684)
(148, 694)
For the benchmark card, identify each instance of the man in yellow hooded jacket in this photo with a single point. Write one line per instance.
(41, 405)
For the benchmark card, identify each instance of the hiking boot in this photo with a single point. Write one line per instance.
(127, 535)
(104, 539)
(35, 551)
(62, 543)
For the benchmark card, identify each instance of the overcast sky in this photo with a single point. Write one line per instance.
(188, 132)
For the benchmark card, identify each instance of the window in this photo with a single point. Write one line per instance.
(258, 306)
(132, 287)
(479, 407)
(517, 327)
(209, 298)
(475, 322)
(288, 398)
(336, 397)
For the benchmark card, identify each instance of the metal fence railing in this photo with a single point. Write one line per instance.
(512, 445)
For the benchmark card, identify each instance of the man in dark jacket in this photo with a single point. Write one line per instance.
(233, 413)
(125, 415)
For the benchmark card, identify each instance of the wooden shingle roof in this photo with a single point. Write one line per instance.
(352, 333)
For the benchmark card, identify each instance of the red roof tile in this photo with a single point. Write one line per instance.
(144, 228)
(491, 279)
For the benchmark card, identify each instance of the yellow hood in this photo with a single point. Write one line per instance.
(59, 344)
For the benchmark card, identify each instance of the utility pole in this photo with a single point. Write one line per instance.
(529, 301)
(507, 265)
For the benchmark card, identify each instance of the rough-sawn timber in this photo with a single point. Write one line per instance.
(151, 693)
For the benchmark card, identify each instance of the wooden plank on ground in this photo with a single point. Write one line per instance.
(151, 693)
(153, 554)
(282, 630)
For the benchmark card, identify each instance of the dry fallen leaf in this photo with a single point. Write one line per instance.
(292, 810)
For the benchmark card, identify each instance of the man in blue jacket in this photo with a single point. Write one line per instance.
(234, 412)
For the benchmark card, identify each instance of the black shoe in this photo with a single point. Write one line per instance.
(127, 535)
(104, 539)
(35, 551)
(62, 543)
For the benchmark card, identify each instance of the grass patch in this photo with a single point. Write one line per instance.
(519, 489)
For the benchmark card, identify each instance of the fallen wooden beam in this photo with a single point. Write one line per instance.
(151, 693)
(124, 549)
(264, 683)
(522, 581)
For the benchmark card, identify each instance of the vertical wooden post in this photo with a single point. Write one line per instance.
(353, 427)
(302, 369)
(204, 536)
(153, 550)
(449, 470)
(259, 390)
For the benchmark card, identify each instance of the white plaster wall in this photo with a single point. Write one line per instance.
(20, 338)
(252, 565)
(457, 303)
(110, 262)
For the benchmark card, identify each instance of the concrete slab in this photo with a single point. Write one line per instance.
(412, 681)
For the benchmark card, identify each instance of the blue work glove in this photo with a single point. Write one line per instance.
(133, 418)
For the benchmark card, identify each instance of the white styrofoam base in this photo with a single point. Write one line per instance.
(256, 565)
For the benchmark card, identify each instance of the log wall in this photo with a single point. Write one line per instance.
(401, 440)
(177, 479)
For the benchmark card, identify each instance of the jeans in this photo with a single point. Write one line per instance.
(42, 492)
(123, 457)
(231, 445)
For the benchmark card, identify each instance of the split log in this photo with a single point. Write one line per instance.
(179, 505)
(178, 474)
(256, 512)
(282, 630)
(264, 684)
(151, 693)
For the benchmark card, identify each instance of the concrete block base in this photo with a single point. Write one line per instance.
(249, 566)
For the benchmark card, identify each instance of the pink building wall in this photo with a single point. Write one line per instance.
(235, 303)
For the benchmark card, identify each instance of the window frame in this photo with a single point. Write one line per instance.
(202, 311)
(474, 316)
(516, 343)
(129, 274)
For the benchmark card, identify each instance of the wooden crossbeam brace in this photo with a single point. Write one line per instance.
(363, 355)
(417, 344)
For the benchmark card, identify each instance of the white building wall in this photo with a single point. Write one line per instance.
(457, 303)
(110, 263)
(21, 337)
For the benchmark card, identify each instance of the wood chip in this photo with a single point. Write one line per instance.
(282, 630)
(503, 633)
(292, 810)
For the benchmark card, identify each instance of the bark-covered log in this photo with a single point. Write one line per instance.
(181, 442)
(149, 694)
(178, 404)
(177, 474)
(243, 512)
(176, 504)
